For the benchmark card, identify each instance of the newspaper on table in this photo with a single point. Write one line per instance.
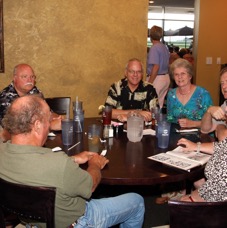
(180, 159)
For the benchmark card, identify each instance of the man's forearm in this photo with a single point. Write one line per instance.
(206, 123)
(117, 112)
(95, 173)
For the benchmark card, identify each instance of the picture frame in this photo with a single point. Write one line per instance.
(2, 65)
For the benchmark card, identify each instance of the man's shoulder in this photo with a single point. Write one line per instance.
(8, 94)
(146, 84)
(120, 83)
(8, 89)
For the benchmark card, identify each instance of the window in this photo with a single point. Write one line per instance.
(171, 19)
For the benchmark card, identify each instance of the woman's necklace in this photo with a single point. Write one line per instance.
(185, 93)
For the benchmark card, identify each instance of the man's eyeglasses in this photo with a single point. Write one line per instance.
(25, 77)
(135, 72)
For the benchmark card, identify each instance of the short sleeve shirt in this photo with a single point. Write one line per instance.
(8, 95)
(121, 97)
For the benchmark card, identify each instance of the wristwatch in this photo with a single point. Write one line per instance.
(198, 146)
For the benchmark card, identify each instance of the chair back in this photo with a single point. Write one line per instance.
(197, 214)
(27, 202)
(59, 105)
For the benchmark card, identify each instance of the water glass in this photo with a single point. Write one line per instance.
(135, 125)
(163, 134)
(67, 131)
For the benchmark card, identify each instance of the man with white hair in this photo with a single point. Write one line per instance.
(23, 84)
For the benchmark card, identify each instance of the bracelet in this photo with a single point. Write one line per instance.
(190, 197)
(198, 147)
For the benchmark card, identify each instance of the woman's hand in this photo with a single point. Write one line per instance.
(186, 123)
(189, 145)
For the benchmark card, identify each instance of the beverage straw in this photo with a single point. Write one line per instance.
(67, 113)
(70, 148)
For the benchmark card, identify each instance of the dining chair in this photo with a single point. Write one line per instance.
(59, 105)
(28, 203)
(197, 214)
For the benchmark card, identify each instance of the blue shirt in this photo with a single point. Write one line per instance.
(158, 54)
(194, 109)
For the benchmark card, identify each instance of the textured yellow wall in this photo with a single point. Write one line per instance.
(77, 48)
(212, 42)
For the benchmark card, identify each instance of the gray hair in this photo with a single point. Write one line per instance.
(182, 63)
(134, 60)
(21, 116)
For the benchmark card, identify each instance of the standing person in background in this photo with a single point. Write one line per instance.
(187, 103)
(158, 64)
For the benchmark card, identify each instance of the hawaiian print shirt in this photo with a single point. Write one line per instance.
(9, 94)
(121, 97)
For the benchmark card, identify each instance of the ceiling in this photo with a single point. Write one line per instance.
(174, 3)
(174, 6)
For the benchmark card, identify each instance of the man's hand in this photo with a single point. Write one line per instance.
(83, 157)
(216, 112)
(98, 161)
(55, 123)
(146, 115)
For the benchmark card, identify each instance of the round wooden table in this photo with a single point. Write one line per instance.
(129, 163)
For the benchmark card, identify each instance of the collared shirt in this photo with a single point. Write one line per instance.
(8, 95)
(121, 97)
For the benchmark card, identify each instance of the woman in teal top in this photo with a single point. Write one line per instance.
(187, 103)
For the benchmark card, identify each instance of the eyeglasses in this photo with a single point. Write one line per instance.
(25, 77)
(135, 72)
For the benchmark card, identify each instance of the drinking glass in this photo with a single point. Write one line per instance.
(163, 134)
(67, 131)
(107, 115)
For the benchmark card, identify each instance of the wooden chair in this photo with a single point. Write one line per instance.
(27, 203)
(59, 105)
(197, 214)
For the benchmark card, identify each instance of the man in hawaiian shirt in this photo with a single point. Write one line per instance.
(131, 93)
(23, 84)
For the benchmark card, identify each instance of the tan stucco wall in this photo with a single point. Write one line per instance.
(77, 48)
(212, 42)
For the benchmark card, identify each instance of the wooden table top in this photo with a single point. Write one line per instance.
(129, 164)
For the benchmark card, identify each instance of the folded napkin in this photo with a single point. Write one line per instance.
(149, 132)
(51, 134)
(56, 149)
(114, 123)
(187, 130)
(146, 131)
